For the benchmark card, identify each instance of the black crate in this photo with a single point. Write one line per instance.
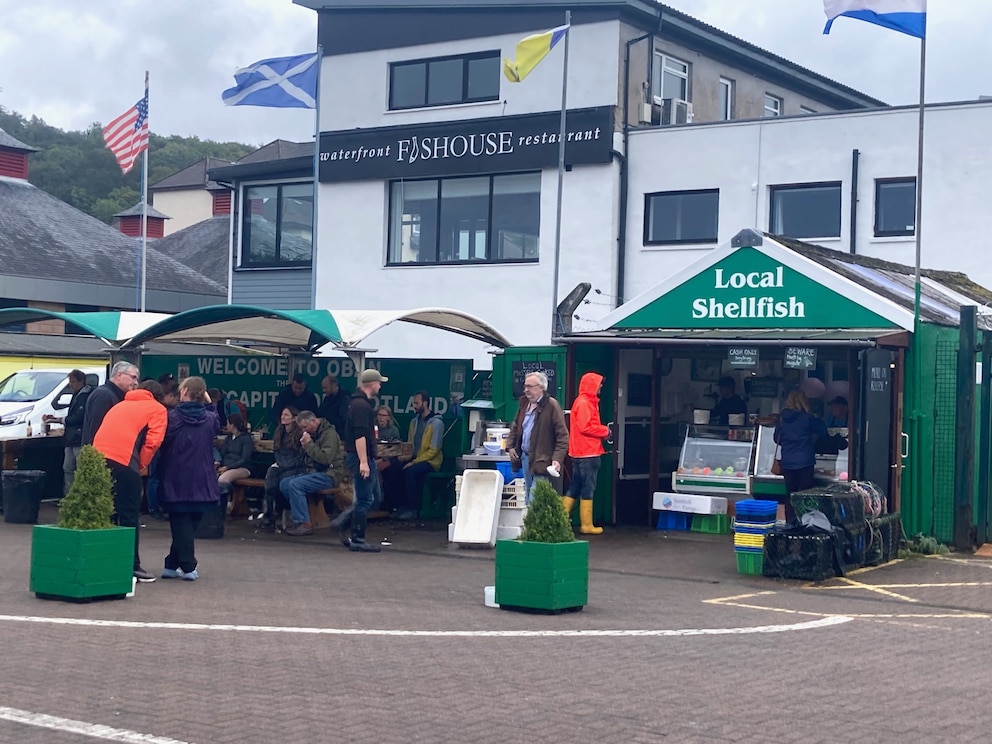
(841, 509)
(884, 535)
(811, 557)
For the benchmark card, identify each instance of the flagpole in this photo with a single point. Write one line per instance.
(556, 324)
(316, 173)
(144, 211)
(914, 451)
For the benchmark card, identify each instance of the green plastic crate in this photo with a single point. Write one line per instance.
(713, 524)
(750, 564)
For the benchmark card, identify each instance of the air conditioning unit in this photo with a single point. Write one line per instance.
(674, 111)
(646, 116)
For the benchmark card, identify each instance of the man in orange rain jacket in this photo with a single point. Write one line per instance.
(129, 435)
(585, 445)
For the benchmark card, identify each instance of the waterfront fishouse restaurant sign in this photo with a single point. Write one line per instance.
(748, 288)
(511, 143)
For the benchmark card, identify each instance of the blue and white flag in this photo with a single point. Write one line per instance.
(283, 82)
(905, 16)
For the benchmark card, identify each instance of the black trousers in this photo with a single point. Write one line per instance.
(127, 500)
(182, 551)
(796, 480)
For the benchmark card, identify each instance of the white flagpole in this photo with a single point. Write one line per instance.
(316, 181)
(144, 211)
(556, 324)
(919, 174)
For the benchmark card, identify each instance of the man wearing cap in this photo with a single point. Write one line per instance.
(838, 416)
(294, 394)
(359, 458)
(729, 403)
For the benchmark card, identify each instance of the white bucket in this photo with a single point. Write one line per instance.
(498, 436)
(490, 594)
(736, 419)
(700, 416)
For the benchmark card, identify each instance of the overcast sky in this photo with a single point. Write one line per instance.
(75, 62)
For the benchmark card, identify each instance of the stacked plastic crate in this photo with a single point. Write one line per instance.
(755, 519)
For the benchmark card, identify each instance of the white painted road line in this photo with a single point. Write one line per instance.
(93, 730)
(809, 625)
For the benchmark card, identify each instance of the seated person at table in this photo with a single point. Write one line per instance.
(235, 456)
(728, 404)
(389, 431)
(324, 462)
(290, 460)
(294, 394)
(427, 435)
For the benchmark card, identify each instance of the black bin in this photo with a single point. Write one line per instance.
(22, 494)
(212, 524)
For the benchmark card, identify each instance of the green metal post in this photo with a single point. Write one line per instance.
(964, 440)
(984, 443)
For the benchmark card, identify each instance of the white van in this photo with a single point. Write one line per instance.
(28, 395)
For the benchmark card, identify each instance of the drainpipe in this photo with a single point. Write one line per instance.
(855, 158)
(624, 162)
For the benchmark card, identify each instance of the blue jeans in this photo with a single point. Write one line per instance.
(529, 478)
(367, 490)
(585, 471)
(295, 489)
(413, 485)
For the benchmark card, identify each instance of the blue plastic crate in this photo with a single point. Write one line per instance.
(508, 472)
(672, 520)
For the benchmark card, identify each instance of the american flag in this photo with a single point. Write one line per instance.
(127, 135)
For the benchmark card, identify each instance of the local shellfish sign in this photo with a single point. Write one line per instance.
(748, 305)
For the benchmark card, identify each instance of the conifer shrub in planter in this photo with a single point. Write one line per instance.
(547, 569)
(84, 556)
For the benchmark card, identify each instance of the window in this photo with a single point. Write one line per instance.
(773, 105)
(671, 78)
(465, 220)
(444, 81)
(806, 110)
(277, 225)
(895, 207)
(810, 210)
(681, 217)
(726, 99)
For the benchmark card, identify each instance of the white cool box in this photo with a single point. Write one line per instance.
(691, 503)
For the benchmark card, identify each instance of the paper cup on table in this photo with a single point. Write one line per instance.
(700, 416)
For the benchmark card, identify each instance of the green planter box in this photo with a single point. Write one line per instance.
(81, 564)
(553, 577)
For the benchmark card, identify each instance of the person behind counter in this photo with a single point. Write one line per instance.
(795, 434)
(838, 415)
(729, 402)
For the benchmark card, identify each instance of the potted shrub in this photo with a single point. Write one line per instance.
(84, 556)
(547, 569)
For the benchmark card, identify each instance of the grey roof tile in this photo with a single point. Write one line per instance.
(202, 247)
(191, 177)
(14, 144)
(135, 211)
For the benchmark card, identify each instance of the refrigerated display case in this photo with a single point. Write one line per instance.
(715, 459)
(828, 467)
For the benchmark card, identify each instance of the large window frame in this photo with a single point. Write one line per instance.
(773, 106)
(676, 69)
(470, 70)
(497, 243)
(249, 259)
(775, 207)
(680, 201)
(884, 184)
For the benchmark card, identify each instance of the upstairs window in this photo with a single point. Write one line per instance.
(678, 217)
(895, 207)
(277, 225)
(671, 78)
(805, 211)
(726, 112)
(773, 105)
(444, 81)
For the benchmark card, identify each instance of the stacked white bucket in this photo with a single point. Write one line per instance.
(512, 510)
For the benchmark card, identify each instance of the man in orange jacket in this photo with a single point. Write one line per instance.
(585, 445)
(129, 435)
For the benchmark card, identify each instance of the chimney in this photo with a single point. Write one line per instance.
(129, 222)
(14, 157)
(222, 202)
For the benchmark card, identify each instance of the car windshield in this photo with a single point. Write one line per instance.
(27, 387)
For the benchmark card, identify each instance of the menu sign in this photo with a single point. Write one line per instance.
(743, 357)
(800, 357)
(520, 370)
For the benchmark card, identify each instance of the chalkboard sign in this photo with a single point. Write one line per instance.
(520, 370)
(743, 357)
(800, 357)
(762, 387)
(638, 389)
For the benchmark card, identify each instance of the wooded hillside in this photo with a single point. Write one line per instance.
(77, 168)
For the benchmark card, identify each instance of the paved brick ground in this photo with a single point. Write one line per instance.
(909, 667)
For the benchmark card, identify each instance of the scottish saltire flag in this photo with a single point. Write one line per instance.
(530, 52)
(906, 16)
(127, 135)
(282, 82)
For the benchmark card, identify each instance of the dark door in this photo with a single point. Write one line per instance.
(874, 454)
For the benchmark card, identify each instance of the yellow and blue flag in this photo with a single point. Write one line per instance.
(530, 52)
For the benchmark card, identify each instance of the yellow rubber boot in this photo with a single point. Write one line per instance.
(567, 502)
(585, 515)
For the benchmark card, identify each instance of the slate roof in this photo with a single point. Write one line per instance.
(14, 144)
(202, 247)
(278, 150)
(43, 237)
(191, 177)
(135, 211)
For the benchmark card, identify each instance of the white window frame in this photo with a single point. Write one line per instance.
(806, 110)
(726, 84)
(662, 68)
(773, 106)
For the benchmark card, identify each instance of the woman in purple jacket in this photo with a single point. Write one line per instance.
(796, 433)
(188, 485)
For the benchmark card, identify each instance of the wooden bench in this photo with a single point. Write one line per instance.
(315, 501)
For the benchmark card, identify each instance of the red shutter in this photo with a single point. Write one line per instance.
(13, 164)
(222, 203)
